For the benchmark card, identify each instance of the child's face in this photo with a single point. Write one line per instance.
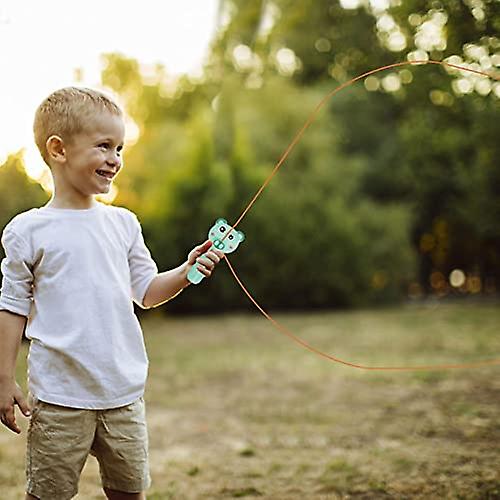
(93, 158)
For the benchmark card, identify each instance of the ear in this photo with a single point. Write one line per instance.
(221, 221)
(241, 235)
(55, 148)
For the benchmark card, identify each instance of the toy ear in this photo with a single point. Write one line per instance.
(221, 221)
(242, 235)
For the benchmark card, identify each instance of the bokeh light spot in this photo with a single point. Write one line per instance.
(372, 83)
(391, 82)
(457, 278)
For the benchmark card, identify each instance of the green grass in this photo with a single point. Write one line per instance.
(235, 409)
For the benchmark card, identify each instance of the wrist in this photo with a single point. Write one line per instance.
(184, 269)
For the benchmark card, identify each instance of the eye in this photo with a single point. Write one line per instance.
(230, 237)
(222, 229)
(103, 145)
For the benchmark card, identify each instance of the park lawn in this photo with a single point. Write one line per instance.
(235, 409)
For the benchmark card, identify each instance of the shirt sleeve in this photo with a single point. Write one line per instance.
(142, 266)
(16, 294)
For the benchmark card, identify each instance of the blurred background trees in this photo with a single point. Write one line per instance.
(18, 192)
(392, 192)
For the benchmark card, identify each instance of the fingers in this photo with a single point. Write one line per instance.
(208, 261)
(7, 411)
(205, 257)
(20, 400)
(205, 266)
(8, 418)
(219, 254)
(215, 255)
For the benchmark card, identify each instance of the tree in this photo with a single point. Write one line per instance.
(18, 192)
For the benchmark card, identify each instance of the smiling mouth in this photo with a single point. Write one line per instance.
(106, 175)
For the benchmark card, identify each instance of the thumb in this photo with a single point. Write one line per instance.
(22, 403)
(204, 247)
(197, 251)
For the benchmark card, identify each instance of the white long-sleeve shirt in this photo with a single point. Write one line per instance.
(75, 275)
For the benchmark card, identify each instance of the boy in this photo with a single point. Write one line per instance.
(71, 271)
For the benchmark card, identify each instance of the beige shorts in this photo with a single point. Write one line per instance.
(60, 440)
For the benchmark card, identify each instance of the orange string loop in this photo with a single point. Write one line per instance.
(295, 140)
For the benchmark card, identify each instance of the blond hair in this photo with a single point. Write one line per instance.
(67, 112)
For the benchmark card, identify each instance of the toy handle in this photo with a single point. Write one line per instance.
(194, 276)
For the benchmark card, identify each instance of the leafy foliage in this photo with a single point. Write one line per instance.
(394, 184)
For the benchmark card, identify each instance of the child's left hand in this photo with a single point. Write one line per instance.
(206, 263)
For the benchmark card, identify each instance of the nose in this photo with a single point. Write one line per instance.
(114, 159)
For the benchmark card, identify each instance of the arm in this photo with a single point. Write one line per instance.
(167, 285)
(11, 332)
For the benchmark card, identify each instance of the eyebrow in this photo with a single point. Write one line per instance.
(108, 139)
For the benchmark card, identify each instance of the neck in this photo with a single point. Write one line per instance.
(84, 204)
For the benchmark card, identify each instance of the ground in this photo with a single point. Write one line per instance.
(237, 410)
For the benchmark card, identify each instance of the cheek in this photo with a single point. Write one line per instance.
(97, 156)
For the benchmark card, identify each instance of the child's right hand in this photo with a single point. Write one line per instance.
(10, 395)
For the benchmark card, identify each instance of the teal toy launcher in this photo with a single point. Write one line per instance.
(224, 239)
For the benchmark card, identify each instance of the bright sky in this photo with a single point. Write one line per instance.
(42, 42)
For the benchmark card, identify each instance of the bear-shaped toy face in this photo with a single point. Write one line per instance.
(217, 235)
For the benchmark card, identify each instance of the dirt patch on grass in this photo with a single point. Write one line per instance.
(235, 411)
(354, 439)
